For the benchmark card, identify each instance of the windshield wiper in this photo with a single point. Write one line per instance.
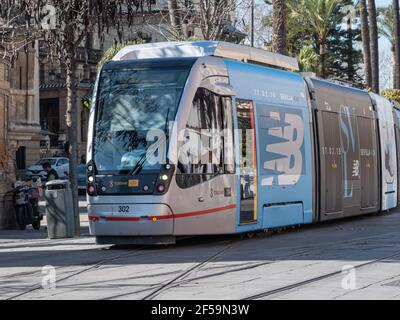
(139, 165)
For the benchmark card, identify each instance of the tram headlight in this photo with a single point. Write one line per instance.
(164, 177)
(91, 179)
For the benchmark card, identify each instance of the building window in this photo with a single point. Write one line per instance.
(84, 125)
(3, 124)
(6, 72)
(21, 158)
(6, 101)
(50, 119)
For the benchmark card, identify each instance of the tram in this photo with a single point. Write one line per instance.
(209, 137)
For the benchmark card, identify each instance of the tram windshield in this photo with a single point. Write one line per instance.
(132, 100)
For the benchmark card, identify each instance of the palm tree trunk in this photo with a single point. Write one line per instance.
(366, 43)
(279, 44)
(374, 45)
(396, 36)
(322, 58)
(71, 121)
(394, 71)
(350, 60)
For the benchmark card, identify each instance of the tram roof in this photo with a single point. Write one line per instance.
(207, 48)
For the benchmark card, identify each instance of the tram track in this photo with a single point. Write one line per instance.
(315, 279)
(187, 272)
(181, 279)
(182, 275)
(92, 266)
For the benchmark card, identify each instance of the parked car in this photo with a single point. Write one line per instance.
(81, 178)
(61, 165)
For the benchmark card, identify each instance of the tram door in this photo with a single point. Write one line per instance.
(248, 161)
(331, 164)
(396, 116)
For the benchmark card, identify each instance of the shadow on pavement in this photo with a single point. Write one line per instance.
(357, 239)
(31, 234)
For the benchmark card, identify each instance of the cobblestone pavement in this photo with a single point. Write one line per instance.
(356, 258)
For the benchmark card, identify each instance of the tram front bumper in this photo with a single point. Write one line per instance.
(130, 220)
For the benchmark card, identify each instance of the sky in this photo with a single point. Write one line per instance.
(384, 51)
(262, 35)
(381, 3)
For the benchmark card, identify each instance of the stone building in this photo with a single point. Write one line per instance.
(53, 100)
(5, 178)
(19, 124)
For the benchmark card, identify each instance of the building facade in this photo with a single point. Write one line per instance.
(53, 101)
(19, 124)
(5, 174)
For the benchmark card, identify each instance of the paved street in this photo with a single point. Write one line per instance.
(303, 263)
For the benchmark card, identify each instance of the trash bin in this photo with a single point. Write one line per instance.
(59, 209)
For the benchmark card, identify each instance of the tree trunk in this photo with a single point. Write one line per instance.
(394, 71)
(366, 43)
(396, 37)
(374, 45)
(71, 120)
(350, 61)
(174, 17)
(322, 54)
(279, 44)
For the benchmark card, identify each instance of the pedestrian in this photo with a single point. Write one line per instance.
(51, 173)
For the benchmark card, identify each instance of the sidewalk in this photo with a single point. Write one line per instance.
(11, 236)
(82, 211)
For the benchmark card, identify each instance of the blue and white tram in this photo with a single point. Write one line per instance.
(197, 138)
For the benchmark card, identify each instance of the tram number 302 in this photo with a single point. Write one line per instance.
(123, 209)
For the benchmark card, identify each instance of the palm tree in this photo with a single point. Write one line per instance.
(308, 60)
(279, 43)
(366, 43)
(386, 29)
(373, 32)
(319, 15)
(396, 29)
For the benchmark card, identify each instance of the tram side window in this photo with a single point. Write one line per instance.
(207, 151)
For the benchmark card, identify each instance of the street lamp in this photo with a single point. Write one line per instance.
(52, 75)
(47, 142)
